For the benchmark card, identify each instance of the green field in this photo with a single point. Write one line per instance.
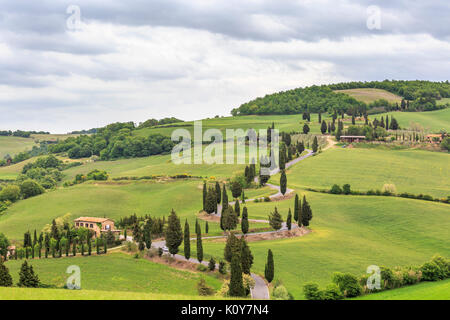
(431, 121)
(117, 272)
(439, 290)
(64, 294)
(369, 95)
(112, 200)
(349, 234)
(413, 171)
(14, 145)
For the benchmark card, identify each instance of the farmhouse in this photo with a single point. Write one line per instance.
(351, 139)
(98, 225)
(434, 138)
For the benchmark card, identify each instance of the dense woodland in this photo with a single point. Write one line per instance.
(113, 141)
(418, 95)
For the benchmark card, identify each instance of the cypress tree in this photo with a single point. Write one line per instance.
(289, 220)
(283, 182)
(187, 241)
(35, 238)
(315, 145)
(244, 221)
(230, 219)
(199, 248)
(74, 248)
(212, 264)
(232, 247)
(296, 207)
(5, 277)
(269, 269)
(204, 196)
(174, 235)
(224, 198)
(323, 127)
(218, 193)
(211, 201)
(243, 196)
(306, 212)
(97, 245)
(148, 234)
(246, 256)
(320, 117)
(89, 246)
(237, 208)
(206, 228)
(236, 283)
(105, 246)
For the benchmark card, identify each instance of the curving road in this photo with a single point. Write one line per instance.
(260, 290)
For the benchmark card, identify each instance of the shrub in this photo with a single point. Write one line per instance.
(332, 292)
(10, 193)
(311, 291)
(30, 188)
(389, 189)
(212, 264)
(444, 265)
(204, 289)
(335, 189)
(266, 199)
(280, 293)
(431, 272)
(222, 267)
(346, 189)
(201, 268)
(411, 276)
(348, 284)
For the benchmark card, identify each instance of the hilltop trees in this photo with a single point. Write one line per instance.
(269, 270)
(275, 219)
(174, 235)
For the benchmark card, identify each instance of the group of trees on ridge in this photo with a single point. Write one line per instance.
(422, 94)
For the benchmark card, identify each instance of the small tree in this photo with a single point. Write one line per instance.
(296, 207)
(315, 145)
(269, 269)
(237, 208)
(346, 189)
(199, 248)
(5, 277)
(27, 277)
(236, 284)
(230, 219)
(275, 220)
(206, 227)
(244, 221)
(283, 183)
(174, 235)
(212, 264)
(289, 220)
(187, 241)
(306, 212)
(323, 127)
(246, 256)
(236, 189)
(306, 129)
(211, 201)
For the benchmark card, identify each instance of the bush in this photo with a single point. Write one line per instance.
(311, 291)
(389, 189)
(444, 265)
(203, 288)
(411, 276)
(348, 284)
(332, 292)
(346, 189)
(222, 267)
(30, 188)
(266, 199)
(201, 268)
(280, 293)
(431, 272)
(10, 193)
(335, 189)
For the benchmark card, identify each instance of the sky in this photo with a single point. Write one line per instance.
(72, 65)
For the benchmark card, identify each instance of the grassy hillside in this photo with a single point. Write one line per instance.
(349, 234)
(14, 145)
(117, 272)
(369, 95)
(63, 294)
(413, 171)
(432, 121)
(112, 200)
(439, 290)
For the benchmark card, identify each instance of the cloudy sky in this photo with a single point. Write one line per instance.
(133, 60)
